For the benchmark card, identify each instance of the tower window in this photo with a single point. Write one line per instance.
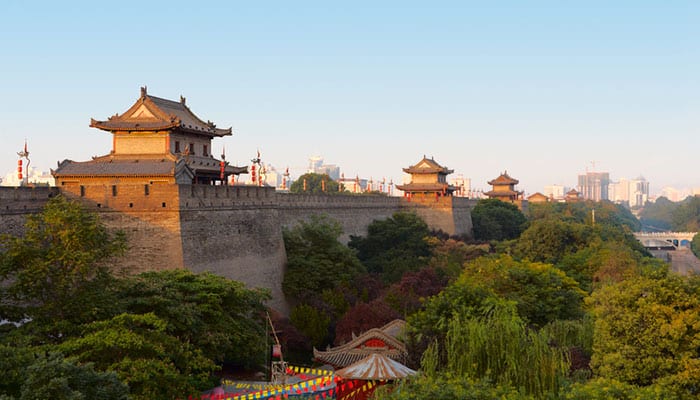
(177, 146)
(192, 148)
(204, 151)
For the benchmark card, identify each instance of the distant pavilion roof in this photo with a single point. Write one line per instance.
(504, 179)
(427, 166)
(151, 113)
(503, 193)
(427, 187)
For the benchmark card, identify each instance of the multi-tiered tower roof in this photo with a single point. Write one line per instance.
(155, 140)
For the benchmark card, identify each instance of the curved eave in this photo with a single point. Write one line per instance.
(115, 126)
(412, 170)
(494, 193)
(207, 132)
(59, 175)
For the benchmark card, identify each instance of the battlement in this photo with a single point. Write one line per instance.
(207, 196)
(19, 200)
(233, 231)
(302, 200)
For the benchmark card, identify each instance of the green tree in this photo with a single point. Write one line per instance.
(215, 314)
(647, 331)
(549, 240)
(448, 388)
(14, 361)
(315, 184)
(58, 273)
(494, 219)
(686, 217)
(53, 377)
(695, 245)
(394, 246)
(499, 346)
(658, 216)
(151, 362)
(313, 323)
(541, 292)
(605, 389)
(316, 260)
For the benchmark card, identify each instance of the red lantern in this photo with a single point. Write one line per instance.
(252, 173)
(276, 350)
(19, 169)
(222, 166)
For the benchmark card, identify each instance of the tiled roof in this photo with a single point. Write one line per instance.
(155, 113)
(357, 349)
(394, 328)
(427, 166)
(375, 367)
(426, 187)
(112, 167)
(502, 193)
(504, 179)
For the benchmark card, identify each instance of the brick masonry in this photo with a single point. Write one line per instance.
(232, 231)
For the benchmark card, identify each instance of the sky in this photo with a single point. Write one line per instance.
(544, 90)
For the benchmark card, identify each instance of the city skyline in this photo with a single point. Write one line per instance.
(542, 90)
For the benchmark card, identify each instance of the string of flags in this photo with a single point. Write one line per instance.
(323, 387)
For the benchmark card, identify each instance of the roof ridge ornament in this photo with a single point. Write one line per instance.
(144, 91)
(183, 100)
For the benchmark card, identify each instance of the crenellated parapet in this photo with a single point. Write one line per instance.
(233, 231)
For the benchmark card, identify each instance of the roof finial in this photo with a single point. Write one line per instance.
(183, 100)
(144, 91)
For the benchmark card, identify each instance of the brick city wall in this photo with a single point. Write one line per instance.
(232, 231)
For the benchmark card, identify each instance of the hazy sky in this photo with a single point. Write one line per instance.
(541, 89)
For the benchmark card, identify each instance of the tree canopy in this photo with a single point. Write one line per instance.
(314, 183)
(394, 246)
(493, 219)
(82, 332)
(316, 260)
(217, 315)
(59, 272)
(647, 331)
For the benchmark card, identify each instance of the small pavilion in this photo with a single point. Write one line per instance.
(503, 188)
(374, 341)
(572, 196)
(428, 178)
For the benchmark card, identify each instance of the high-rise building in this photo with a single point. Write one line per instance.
(633, 192)
(463, 185)
(594, 185)
(317, 166)
(555, 192)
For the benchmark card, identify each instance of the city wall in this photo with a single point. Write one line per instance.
(232, 231)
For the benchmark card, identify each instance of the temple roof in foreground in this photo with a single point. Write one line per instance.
(376, 367)
(374, 341)
(151, 113)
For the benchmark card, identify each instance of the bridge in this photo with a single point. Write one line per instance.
(665, 240)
